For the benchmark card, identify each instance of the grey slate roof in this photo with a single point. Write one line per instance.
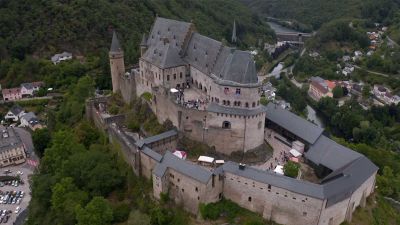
(155, 138)
(16, 110)
(175, 31)
(28, 86)
(330, 154)
(293, 123)
(115, 46)
(351, 177)
(9, 139)
(194, 171)
(213, 107)
(268, 177)
(165, 42)
(239, 67)
(202, 52)
(30, 116)
(152, 154)
(164, 55)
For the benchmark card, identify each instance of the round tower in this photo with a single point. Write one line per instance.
(117, 65)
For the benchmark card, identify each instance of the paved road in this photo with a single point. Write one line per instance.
(377, 73)
(391, 41)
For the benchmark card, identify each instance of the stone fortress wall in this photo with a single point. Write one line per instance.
(174, 56)
(189, 184)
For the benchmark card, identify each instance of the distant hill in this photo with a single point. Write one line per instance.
(45, 27)
(314, 13)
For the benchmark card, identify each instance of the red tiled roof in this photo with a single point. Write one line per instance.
(13, 91)
(319, 87)
(331, 84)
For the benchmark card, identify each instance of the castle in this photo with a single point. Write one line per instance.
(211, 94)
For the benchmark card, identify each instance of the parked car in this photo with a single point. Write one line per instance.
(17, 209)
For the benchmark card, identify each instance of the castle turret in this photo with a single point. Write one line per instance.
(143, 45)
(117, 66)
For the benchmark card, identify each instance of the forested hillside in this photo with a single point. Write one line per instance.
(45, 27)
(314, 13)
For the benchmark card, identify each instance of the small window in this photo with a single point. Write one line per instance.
(179, 180)
(183, 190)
(174, 76)
(269, 186)
(228, 103)
(180, 75)
(226, 125)
(223, 102)
(197, 189)
(254, 104)
(167, 77)
(249, 199)
(198, 198)
(247, 105)
(226, 90)
(304, 213)
(238, 91)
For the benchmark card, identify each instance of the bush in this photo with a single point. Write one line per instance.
(264, 101)
(291, 169)
(147, 96)
(121, 212)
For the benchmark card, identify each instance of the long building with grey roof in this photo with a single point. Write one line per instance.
(12, 149)
(210, 92)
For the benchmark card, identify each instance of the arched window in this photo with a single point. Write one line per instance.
(226, 125)
(247, 105)
(223, 102)
(228, 102)
(239, 103)
(254, 104)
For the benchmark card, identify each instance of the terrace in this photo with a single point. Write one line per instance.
(192, 98)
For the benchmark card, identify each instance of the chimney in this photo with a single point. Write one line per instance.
(242, 166)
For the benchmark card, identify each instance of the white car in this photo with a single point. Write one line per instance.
(17, 209)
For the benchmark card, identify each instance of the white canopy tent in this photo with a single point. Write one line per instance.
(279, 169)
(295, 153)
(173, 90)
(205, 159)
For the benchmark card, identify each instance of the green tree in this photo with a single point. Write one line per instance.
(366, 91)
(64, 144)
(291, 169)
(41, 140)
(65, 198)
(337, 92)
(97, 212)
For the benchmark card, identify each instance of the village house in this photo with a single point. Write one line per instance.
(11, 94)
(57, 58)
(320, 88)
(384, 94)
(12, 150)
(14, 113)
(31, 121)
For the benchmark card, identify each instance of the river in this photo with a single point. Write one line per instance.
(313, 117)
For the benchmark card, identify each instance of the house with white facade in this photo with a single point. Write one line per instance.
(14, 113)
(57, 58)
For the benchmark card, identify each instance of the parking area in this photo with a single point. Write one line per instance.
(14, 196)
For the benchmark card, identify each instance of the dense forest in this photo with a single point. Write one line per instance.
(83, 26)
(314, 13)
